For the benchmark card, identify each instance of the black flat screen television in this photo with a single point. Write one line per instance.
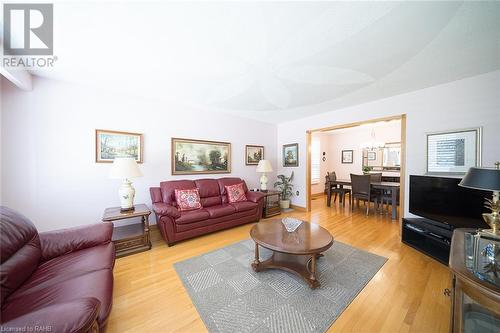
(441, 199)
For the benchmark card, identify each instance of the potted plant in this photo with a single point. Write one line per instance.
(285, 186)
(367, 169)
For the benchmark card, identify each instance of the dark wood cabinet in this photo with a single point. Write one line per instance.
(475, 303)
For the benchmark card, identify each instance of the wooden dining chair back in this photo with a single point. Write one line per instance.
(361, 190)
(330, 176)
(335, 189)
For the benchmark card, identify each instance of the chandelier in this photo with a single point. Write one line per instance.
(373, 143)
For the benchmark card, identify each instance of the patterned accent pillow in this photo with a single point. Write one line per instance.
(187, 199)
(236, 193)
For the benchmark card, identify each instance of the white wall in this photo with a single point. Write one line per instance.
(48, 159)
(460, 104)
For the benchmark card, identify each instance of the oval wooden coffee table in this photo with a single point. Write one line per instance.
(295, 252)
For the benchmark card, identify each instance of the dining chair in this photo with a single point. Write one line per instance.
(386, 199)
(330, 176)
(335, 189)
(377, 193)
(361, 190)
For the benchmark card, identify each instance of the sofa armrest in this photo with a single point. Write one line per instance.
(64, 241)
(254, 196)
(162, 209)
(76, 316)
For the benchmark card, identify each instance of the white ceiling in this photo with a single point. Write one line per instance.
(273, 61)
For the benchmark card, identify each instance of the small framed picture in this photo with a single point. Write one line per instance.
(253, 154)
(291, 155)
(371, 155)
(453, 152)
(111, 144)
(347, 156)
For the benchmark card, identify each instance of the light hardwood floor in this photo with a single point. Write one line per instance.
(406, 295)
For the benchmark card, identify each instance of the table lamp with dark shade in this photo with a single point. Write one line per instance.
(487, 179)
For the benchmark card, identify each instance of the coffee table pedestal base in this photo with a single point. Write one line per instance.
(301, 265)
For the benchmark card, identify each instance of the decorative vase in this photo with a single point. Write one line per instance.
(285, 204)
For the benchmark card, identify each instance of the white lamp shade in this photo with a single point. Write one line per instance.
(264, 166)
(124, 167)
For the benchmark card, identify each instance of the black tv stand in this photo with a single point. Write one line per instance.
(430, 237)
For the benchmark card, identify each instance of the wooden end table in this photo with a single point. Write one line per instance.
(271, 203)
(295, 252)
(131, 238)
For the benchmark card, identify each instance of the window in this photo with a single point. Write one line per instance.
(315, 161)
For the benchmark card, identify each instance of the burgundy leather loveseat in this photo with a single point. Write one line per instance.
(216, 213)
(58, 281)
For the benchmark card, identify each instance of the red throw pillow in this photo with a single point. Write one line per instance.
(236, 193)
(187, 199)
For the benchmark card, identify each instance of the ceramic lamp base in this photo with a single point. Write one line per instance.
(263, 182)
(127, 194)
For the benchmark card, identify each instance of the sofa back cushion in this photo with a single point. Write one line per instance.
(168, 189)
(20, 250)
(209, 192)
(228, 181)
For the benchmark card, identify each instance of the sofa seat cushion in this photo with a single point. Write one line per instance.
(79, 316)
(97, 284)
(69, 266)
(221, 210)
(244, 206)
(193, 216)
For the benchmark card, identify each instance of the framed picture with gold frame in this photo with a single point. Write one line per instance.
(190, 157)
(111, 144)
(253, 154)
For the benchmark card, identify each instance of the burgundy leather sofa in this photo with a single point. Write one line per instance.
(58, 281)
(216, 214)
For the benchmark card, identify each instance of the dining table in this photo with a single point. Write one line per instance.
(393, 187)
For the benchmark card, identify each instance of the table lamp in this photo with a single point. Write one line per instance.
(125, 168)
(264, 166)
(487, 179)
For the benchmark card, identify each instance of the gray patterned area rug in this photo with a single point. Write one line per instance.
(231, 297)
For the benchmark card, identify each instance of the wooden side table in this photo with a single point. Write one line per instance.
(271, 203)
(131, 238)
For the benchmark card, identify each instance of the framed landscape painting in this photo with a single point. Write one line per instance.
(291, 155)
(191, 157)
(111, 144)
(453, 152)
(253, 154)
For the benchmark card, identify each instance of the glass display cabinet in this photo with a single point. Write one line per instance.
(475, 298)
